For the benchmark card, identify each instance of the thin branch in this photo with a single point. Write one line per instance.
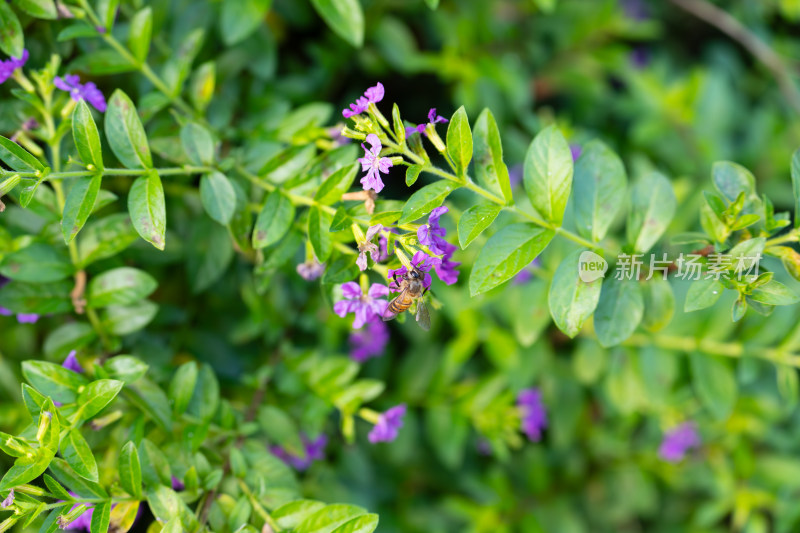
(737, 31)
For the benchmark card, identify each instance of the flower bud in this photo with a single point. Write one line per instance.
(352, 134)
(8, 185)
(44, 423)
(434, 138)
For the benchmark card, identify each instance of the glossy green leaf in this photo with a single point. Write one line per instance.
(599, 184)
(37, 263)
(412, 174)
(86, 136)
(205, 400)
(653, 205)
(68, 337)
(95, 397)
(459, 140)
(703, 293)
(125, 132)
(130, 470)
(572, 300)
(37, 298)
(79, 205)
(154, 464)
(280, 429)
(426, 200)
(140, 33)
(125, 368)
(329, 518)
(240, 18)
(363, 524)
(714, 383)
(120, 286)
(42, 9)
(274, 220)
(12, 42)
(336, 185)
(344, 17)
(490, 170)
(105, 238)
(775, 293)
(146, 206)
(290, 515)
(127, 319)
(181, 388)
(218, 197)
(659, 304)
(620, 310)
(101, 516)
(474, 220)
(71, 480)
(506, 253)
(547, 174)
(53, 380)
(198, 144)
(319, 233)
(77, 453)
(12, 154)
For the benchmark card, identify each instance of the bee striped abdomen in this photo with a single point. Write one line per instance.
(398, 305)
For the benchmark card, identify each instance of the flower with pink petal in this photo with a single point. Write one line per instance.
(373, 164)
(388, 425)
(368, 247)
(366, 307)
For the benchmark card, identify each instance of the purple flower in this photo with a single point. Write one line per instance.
(432, 234)
(446, 269)
(177, 484)
(433, 118)
(27, 318)
(88, 91)
(640, 57)
(311, 269)
(388, 425)
(11, 64)
(383, 244)
(525, 275)
(678, 441)
(373, 95)
(534, 416)
(515, 174)
(373, 164)
(575, 150)
(423, 262)
(369, 341)
(5, 312)
(71, 363)
(366, 307)
(9, 501)
(315, 451)
(368, 247)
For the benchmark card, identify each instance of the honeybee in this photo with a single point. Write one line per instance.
(411, 289)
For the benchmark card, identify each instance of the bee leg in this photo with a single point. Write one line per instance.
(423, 292)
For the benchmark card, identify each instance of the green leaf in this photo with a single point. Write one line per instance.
(12, 41)
(796, 186)
(329, 518)
(86, 136)
(218, 197)
(120, 286)
(412, 173)
(79, 205)
(659, 304)
(125, 368)
(140, 34)
(240, 18)
(164, 503)
(53, 380)
(290, 515)
(130, 470)
(398, 126)
(447, 431)
(714, 383)
(281, 429)
(78, 30)
(599, 184)
(146, 206)
(83, 487)
(572, 301)
(56, 488)
(490, 170)
(11, 153)
(319, 233)
(101, 517)
(459, 140)
(620, 310)
(547, 174)
(474, 220)
(341, 271)
(426, 200)
(178, 66)
(336, 185)
(127, 319)
(38, 298)
(506, 253)
(26, 470)
(211, 254)
(154, 464)
(43, 9)
(274, 220)
(67, 337)
(732, 179)
(181, 388)
(36, 263)
(95, 397)
(102, 62)
(774, 293)
(125, 132)
(344, 17)
(363, 524)
(205, 400)
(198, 144)
(702, 293)
(746, 255)
(360, 392)
(105, 238)
(76, 452)
(653, 205)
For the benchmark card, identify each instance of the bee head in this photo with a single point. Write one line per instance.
(414, 274)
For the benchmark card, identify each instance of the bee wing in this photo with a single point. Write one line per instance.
(389, 315)
(423, 317)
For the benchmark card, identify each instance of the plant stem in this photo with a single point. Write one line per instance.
(169, 171)
(258, 507)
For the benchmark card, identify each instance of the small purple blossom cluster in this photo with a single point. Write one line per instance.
(678, 441)
(88, 91)
(370, 341)
(373, 95)
(11, 64)
(533, 413)
(433, 119)
(388, 425)
(432, 235)
(314, 451)
(373, 164)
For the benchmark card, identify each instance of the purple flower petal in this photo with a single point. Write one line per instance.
(375, 94)
(71, 363)
(369, 342)
(678, 441)
(534, 416)
(388, 425)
